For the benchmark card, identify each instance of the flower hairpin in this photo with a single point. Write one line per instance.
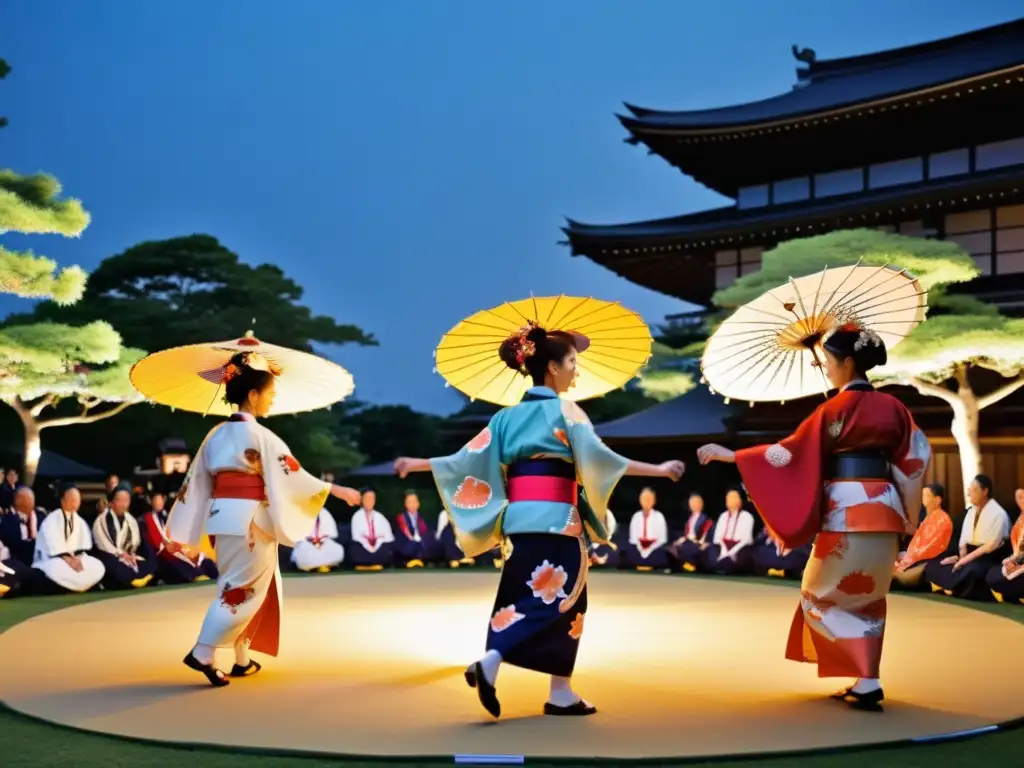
(866, 337)
(230, 371)
(525, 349)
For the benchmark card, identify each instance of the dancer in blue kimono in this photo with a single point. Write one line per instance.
(516, 485)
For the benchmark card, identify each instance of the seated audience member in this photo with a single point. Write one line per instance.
(932, 541)
(415, 544)
(126, 556)
(688, 549)
(450, 547)
(9, 486)
(63, 559)
(373, 545)
(1005, 579)
(19, 526)
(648, 537)
(320, 551)
(982, 545)
(13, 573)
(174, 566)
(770, 558)
(731, 547)
(606, 555)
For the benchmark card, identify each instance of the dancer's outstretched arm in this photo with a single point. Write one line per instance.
(673, 470)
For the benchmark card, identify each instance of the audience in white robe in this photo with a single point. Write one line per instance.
(648, 536)
(731, 545)
(127, 558)
(320, 551)
(373, 541)
(63, 548)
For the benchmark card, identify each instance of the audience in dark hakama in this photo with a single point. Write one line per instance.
(732, 545)
(320, 551)
(1005, 580)
(13, 572)
(63, 560)
(770, 558)
(932, 541)
(647, 548)
(688, 550)
(982, 545)
(182, 566)
(9, 486)
(606, 555)
(415, 544)
(126, 555)
(19, 526)
(373, 542)
(450, 548)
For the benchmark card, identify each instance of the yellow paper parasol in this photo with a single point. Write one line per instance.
(190, 378)
(769, 349)
(620, 345)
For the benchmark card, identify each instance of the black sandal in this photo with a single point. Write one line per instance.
(214, 675)
(579, 709)
(248, 670)
(475, 678)
(866, 702)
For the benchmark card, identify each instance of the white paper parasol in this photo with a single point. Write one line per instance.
(769, 349)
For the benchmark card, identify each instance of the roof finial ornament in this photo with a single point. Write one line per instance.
(806, 55)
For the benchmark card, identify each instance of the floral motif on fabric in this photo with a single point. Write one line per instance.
(253, 459)
(875, 488)
(814, 606)
(829, 544)
(233, 598)
(505, 618)
(506, 549)
(548, 582)
(856, 583)
(573, 414)
(561, 436)
(835, 429)
(288, 464)
(576, 627)
(778, 456)
(472, 493)
(480, 442)
(876, 610)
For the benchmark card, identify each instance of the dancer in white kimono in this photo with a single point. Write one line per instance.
(320, 550)
(62, 547)
(250, 495)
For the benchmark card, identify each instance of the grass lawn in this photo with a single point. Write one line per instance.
(28, 743)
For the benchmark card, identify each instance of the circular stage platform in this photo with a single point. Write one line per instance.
(372, 665)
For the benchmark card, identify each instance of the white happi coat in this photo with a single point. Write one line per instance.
(61, 534)
(371, 529)
(321, 548)
(248, 604)
(654, 529)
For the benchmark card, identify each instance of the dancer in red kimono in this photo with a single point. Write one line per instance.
(850, 477)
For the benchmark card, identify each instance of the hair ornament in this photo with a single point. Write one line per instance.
(866, 338)
(525, 349)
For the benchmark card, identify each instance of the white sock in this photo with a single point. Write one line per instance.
(866, 685)
(490, 664)
(242, 653)
(203, 653)
(562, 694)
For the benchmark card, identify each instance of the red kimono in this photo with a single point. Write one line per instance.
(855, 522)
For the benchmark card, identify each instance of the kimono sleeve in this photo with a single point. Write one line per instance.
(785, 480)
(598, 469)
(471, 484)
(294, 496)
(187, 517)
(909, 465)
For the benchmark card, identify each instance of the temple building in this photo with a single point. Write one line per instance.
(918, 140)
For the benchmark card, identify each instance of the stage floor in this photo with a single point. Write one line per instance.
(372, 665)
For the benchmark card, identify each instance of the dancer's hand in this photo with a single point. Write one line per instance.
(350, 496)
(405, 465)
(673, 470)
(713, 452)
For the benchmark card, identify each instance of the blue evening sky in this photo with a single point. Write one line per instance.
(408, 162)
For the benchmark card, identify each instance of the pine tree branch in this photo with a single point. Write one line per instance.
(85, 417)
(42, 405)
(934, 390)
(1004, 391)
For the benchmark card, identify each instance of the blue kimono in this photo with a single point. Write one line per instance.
(516, 485)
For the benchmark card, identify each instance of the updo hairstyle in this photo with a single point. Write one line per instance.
(240, 379)
(529, 351)
(864, 346)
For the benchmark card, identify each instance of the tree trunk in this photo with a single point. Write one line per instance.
(33, 440)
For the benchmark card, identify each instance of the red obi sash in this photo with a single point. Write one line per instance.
(542, 480)
(238, 485)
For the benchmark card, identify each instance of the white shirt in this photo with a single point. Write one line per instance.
(993, 525)
(738, 528)
(371, 529)
(653, 528)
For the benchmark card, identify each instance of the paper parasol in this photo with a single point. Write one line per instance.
(190, 378)
(769, 349)
(620, 345)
